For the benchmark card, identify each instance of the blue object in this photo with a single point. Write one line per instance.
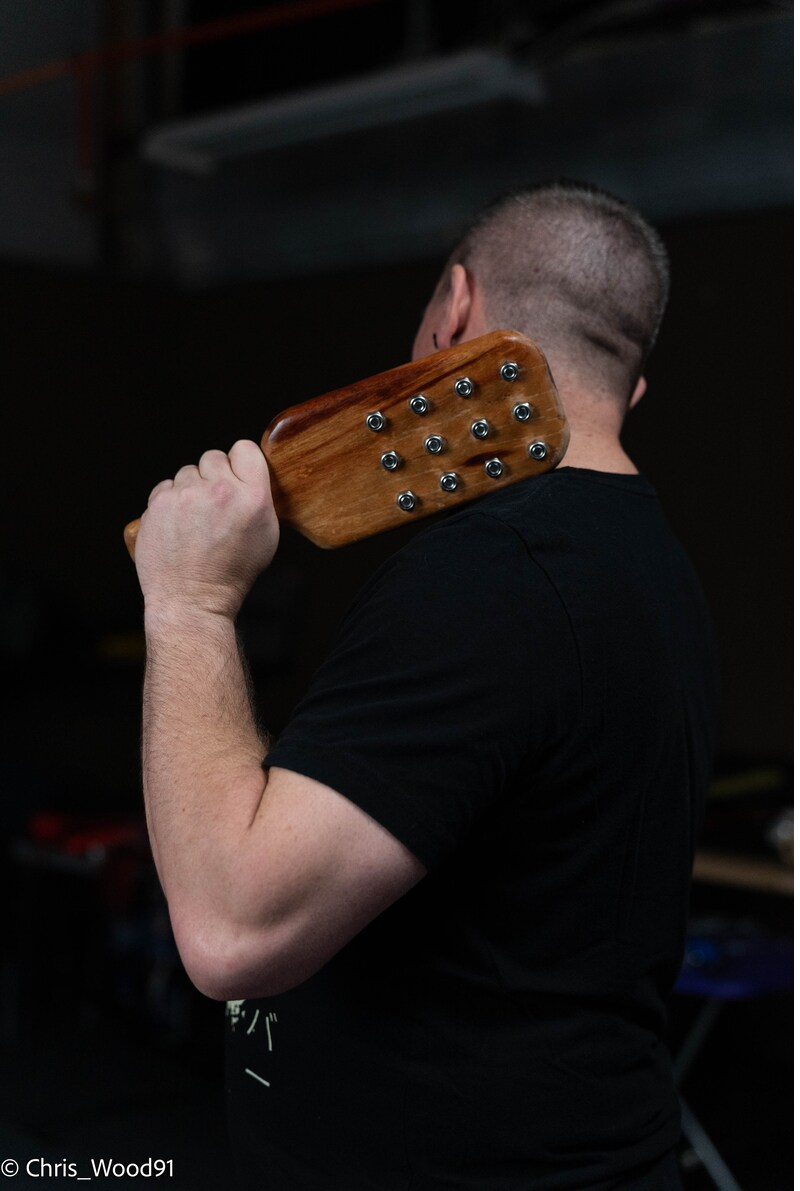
(724, 964)
(736, 966)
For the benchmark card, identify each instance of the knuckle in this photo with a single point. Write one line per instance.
(221, 491)
(213, 456)
(157, 493)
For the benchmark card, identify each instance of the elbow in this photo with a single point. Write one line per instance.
(214, 975)
(225, 962)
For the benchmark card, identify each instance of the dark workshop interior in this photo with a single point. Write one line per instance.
(210, 211)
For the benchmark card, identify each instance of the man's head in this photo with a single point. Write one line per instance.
(572, 267)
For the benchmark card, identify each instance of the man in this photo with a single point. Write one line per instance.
(447, 908)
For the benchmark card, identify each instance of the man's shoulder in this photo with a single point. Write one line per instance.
(532, 508)
(520, 544)
(477, 563)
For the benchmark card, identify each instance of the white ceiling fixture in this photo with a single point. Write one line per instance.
(410, 91)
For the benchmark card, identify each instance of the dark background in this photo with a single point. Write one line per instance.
(150, 312)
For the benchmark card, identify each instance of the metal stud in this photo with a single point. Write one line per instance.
(419, 404)
(509, 371)
(538, 449)
(434, 444)
(376, 421)
(480, 429)
(391, 460)
(523, 412)
(449, 481)
(407, 501)
(494, 468)
(464, 386)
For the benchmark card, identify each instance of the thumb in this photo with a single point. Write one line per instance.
(248, 463)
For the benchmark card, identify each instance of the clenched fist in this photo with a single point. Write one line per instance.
(208, 533)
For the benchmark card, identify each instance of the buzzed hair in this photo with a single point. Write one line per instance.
(577, 270)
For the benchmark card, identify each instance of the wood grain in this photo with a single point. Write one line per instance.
(328, 479)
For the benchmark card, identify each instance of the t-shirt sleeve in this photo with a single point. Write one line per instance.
(431, 697)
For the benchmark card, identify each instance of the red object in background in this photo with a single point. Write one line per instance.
(79, 835)
(85, 66)
(117, 846)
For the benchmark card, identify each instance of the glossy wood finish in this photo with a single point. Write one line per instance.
(328, 478)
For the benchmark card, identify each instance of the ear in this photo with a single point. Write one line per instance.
(450, 316)
(638, 392)
(457, 307)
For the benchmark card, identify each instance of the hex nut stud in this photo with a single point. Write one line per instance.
(509, 370)
(522, 412)
(449, 482)
(494, 468)
(375, 421)
(538, 450)
(407, 501)
(391, 460)
(419, 404)
(464, 386)
(480, 429)
(434, 444)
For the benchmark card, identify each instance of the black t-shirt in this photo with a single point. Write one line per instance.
(525, 697)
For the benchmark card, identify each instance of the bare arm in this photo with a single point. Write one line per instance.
(266, 873)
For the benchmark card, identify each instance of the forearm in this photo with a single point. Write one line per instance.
(202, 753)
(266, 876)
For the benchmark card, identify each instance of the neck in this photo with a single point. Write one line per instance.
(595, 423)
(597, 452)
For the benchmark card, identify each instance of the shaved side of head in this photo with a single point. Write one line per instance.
(577, 270)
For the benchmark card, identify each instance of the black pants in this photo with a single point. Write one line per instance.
(664, 1176)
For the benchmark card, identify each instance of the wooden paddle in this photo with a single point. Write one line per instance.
(414, 440)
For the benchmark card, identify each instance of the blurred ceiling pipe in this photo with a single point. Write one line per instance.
(416, 89)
